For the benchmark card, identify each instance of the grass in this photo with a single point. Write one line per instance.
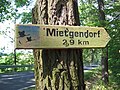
(93, 81)
(33, 88)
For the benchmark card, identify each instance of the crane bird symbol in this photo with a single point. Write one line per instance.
(22, 34)
(28, 37)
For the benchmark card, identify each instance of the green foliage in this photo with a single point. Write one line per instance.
(88, 14)
(9, 10)
(93, 81)
(91, 56)
(22, 59)
(4, 9)
(88, 75)
(7, 60)
(21, 3)
(26, 17)
(114, 45)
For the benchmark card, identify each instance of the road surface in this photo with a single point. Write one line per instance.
(17, 81)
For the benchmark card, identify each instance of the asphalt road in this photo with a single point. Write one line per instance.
(17, 81)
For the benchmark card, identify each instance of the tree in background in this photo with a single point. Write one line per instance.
(58, 69)
(104, 61)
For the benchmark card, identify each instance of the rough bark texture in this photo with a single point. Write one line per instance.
(104, 63)
(104, 60)
(58, 69)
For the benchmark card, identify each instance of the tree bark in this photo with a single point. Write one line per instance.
(58, 69)
(104, 60)
(92, 56)
(104, 63)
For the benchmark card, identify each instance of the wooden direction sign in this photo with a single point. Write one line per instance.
(55, 36)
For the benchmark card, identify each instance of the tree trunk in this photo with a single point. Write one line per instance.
(104, 63)
(58, 69)
(92, 56)
(104, 60)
